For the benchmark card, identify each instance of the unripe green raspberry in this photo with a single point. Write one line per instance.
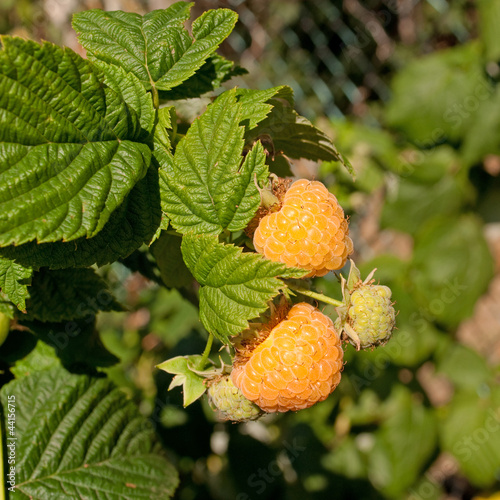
(371, 315)
(4, 327)
(367, 316)
(229, 403)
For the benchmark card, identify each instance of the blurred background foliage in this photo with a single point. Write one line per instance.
(409, 91)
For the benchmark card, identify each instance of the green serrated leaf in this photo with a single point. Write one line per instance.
(414, 203)
(481, 139)
(68, 294)
(235, 285)
(6, 306)
(279, 165)
(409, 426)
(206, 187)
(164, 224)
(162, 137)
(68, 145)
(79, 437)
(429, 95)
(155, 47)
(76, 342)
(210, 76)
(449, 273)
(42, 357)
(14, 281)
(192, 384)
(208, 31)
(464, 367)
(167, 253)
(133, 93)
(295, 136)
(17, 345)
(133, 223)
(489, 19)
(470, 433)
(257, 104)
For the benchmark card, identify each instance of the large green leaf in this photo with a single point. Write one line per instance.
(132, 92)
(415, 203)
(489, 20)
(471, 433)
(155, 47)
(76, 342)
(482, 135)
(68, 144)
(210, 76)
(235, 286)
(435, 97)
(404, 443)
(464, 367)
(68, 294)
(14, 281)
(133, 223)
(207, 186)
(451, 268)
(167, 253)
(257, 104)
(79, 437)
(293, 135)
(42, 357)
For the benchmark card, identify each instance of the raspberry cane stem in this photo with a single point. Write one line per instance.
(206, 352)
(315, 295)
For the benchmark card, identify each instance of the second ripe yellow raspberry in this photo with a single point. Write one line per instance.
(295, 366)
(309, 231)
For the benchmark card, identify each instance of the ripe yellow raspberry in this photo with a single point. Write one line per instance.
(297, 365)
(309, 231)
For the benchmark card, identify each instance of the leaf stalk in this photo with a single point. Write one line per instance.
(206, 352)
(315, 295)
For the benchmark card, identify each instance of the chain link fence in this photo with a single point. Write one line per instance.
(337, 55)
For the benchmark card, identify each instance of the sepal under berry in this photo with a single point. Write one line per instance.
(187, 375)
(367, 317)
(229, 402)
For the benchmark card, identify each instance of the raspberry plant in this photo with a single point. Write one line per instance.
(98, 166)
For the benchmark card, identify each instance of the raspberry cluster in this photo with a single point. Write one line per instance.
(309, 231)
(294, 359)
(297, 365)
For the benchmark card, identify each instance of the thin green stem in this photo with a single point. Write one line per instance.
(314, 295)
(206, 352)
(156, 97)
